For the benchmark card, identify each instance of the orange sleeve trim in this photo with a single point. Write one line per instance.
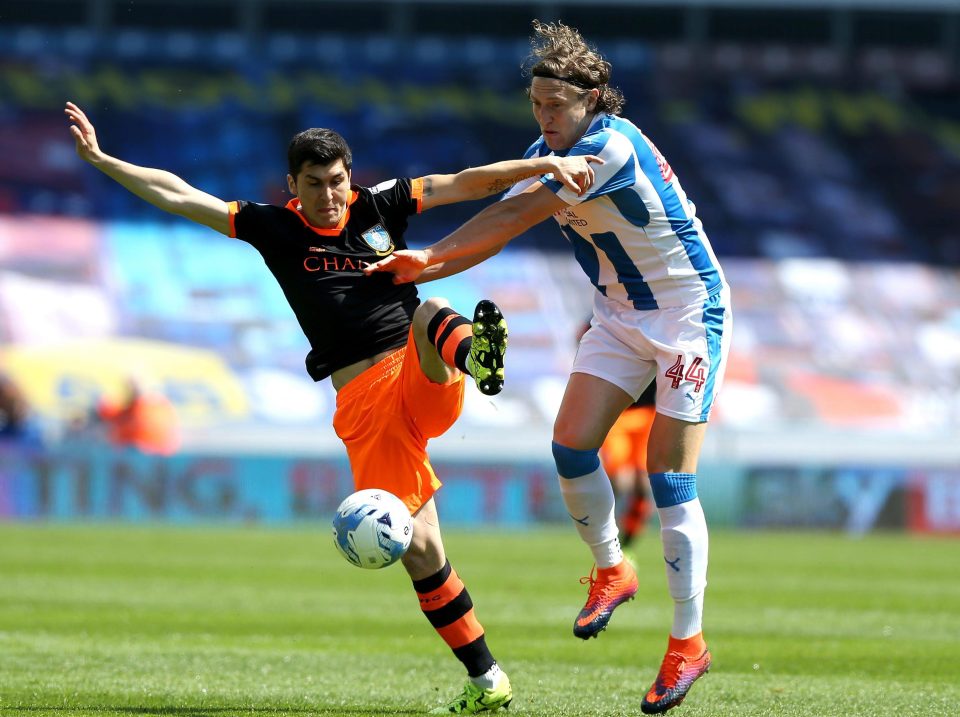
(462, 632)
(448, 352)
(443, 595)
(233, 208)
(416, 191)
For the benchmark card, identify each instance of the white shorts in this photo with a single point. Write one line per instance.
(685, 348)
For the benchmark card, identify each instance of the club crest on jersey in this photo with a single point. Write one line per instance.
(378, 239)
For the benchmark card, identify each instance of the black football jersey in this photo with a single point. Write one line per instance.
(346, 316)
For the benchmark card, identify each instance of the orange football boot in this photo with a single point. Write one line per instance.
(677, 675)
(608, 589)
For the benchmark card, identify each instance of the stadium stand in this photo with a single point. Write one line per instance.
(825, 161)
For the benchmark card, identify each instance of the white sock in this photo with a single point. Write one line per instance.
(683, 532)
(590, 502)
(489, 679)
(687, 617)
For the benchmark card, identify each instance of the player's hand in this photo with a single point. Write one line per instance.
(406, 265)
(83, 132)
(575, 173)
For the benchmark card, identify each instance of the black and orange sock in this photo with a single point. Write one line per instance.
(447, 605)
(452, 334)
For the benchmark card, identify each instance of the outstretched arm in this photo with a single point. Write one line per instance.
(454, 266)
(162, 189)
(481, 237)
(478, 182)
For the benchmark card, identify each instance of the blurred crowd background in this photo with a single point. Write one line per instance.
(819, 139)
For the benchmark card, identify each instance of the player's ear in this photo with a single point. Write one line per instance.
(292, 185)
(592, 98)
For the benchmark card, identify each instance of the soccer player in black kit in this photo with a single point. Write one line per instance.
(397, 364)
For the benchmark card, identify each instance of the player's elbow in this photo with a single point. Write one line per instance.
(173, 199)
(470, 184)
(510, 221)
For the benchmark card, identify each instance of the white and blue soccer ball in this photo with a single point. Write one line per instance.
(372, 528)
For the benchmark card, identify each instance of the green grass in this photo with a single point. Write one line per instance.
(188, 622)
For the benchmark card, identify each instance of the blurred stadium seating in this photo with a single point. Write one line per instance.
(821, 142)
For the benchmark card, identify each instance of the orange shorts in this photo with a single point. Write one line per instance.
(626, 444)
(386, 415)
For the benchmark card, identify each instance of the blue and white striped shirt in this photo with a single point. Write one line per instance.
(635, 233)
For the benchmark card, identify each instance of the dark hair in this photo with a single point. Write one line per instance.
(560, 52)
(317, 146)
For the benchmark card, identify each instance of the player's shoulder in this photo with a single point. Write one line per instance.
(259, 209)
(611, 135)
(253, 221)
(386, 188)
(395, 194)
(614, 124)
(612, 129)
(393, 199)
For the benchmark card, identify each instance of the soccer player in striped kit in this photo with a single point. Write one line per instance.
(397, 364)
(661, 311)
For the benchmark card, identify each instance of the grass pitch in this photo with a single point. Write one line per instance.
(189, 622)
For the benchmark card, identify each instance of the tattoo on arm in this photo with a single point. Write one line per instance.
(500, 185)
(427, 187)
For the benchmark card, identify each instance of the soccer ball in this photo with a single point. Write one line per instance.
(372, 528)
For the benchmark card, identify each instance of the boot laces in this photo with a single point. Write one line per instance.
(671, 670)
(598, 589)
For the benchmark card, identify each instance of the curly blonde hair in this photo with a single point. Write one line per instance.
(560, 52)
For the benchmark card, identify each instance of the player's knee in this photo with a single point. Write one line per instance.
(425, 313)
(671, 489)
(569, 431)
(573, 463)
(674, 445)
(665, 458)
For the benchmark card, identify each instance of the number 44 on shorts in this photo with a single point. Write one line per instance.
(695, 373)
